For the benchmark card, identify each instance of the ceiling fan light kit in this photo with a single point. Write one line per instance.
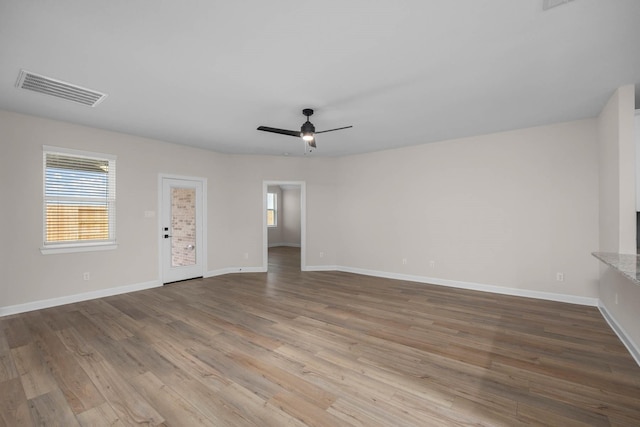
(307, 130)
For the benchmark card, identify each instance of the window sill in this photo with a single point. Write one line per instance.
(71, 248)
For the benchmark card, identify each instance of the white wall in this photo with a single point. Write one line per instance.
(616, 154)
(291, 212)
(619, 297)
(507, 210)
(234, 223)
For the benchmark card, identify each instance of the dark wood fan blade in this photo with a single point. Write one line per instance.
(331, 130)
(312, 143)
(280, 131)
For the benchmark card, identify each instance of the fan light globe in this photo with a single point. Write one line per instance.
(307, 136)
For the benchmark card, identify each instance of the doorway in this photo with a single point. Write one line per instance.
(182, 248)
(298, 209)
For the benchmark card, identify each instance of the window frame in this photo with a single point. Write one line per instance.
(80, 245)
(275, 210)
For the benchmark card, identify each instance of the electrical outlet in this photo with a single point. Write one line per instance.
(321, 254)
(246, 255)
(404, 261)
(432, 264)
(86, 275)
(560, 277)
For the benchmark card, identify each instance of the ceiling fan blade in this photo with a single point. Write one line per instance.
(280, 131)
(331, 130)
(312, 143)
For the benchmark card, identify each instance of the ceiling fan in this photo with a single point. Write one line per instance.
(307, 131)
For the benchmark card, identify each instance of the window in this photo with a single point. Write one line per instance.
(272, 210)
(79, 200)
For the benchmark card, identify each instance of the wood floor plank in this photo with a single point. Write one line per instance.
(287, 380)
(256, 411)
(354, 412)
(100, 416)
(303, 410)
(14, 408)
(122, 303)
(292, 348)
(130, 406)
(15, 330)
(214, 403)
(7, 365)
(192, 367)
(78, 390)
(236, 373)
(543, 417)
(173, 408)
(35, 375)
(52, 409)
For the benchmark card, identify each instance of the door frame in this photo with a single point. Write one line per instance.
(203, 212)
(303, 222)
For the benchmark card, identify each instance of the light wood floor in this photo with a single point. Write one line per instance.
(320, 348)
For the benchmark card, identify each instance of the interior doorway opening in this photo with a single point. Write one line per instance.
(284, 219)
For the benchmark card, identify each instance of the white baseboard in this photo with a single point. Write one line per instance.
(53, 302)
(572, 299)
(633, 347)
(321, 268)
(230, 270)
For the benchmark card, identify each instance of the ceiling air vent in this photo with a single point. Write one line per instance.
(59, 89)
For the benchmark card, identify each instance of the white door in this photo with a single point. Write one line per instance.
(182, 236)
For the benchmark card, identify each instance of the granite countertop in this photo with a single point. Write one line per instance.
(627, 264)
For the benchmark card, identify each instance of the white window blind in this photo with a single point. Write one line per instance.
(79, 198)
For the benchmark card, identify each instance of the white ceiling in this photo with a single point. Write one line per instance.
(207, 73)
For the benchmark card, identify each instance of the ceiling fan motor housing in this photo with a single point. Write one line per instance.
(307, 127)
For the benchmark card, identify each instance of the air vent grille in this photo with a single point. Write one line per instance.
(59, 89)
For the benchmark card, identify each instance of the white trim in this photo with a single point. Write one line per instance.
(81, 153)
(203, 226)
(54, 302)
(303, 221)
(230, 270)
(322, 268)
(633, 347)
(571, 299)
(67, 249)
